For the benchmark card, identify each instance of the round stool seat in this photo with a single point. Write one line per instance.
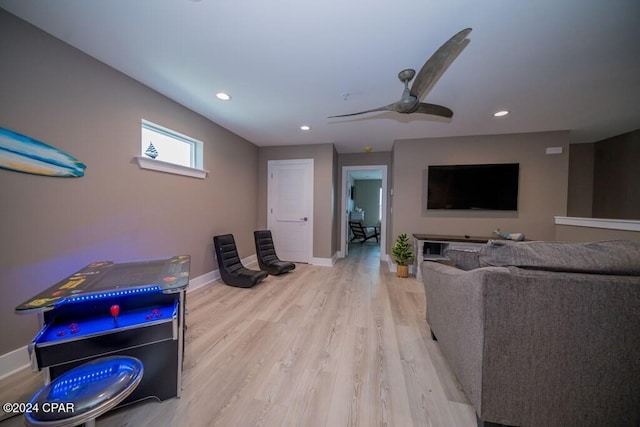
(82, 394)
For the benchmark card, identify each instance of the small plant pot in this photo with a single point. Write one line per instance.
(402, 271)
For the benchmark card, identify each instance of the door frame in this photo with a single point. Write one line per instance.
(309, 190)
(343, 210)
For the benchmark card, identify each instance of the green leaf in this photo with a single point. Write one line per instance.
(402, 250)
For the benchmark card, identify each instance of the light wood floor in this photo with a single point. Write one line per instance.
(340, 346)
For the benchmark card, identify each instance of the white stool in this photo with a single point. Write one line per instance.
(82, 394)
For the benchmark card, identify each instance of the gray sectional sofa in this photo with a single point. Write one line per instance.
(542, 333)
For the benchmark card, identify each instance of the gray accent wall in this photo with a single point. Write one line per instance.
(367, 197)
(51, 227)
(580, 196)
(616, 177)
(604, 178)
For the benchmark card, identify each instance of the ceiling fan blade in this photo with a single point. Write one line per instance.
(437, 64)
(390, 107)
(434, 110)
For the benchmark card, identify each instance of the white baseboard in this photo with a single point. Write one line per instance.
(203, 280)
(325, 262)
(18, 359)
(14, 361)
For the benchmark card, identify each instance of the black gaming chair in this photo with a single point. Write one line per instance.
(232, 271)
(267, 257)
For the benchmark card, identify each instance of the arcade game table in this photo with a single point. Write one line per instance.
(131, 309)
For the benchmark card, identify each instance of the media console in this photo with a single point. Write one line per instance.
(431, 247)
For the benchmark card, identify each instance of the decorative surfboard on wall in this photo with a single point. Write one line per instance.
(24, 154)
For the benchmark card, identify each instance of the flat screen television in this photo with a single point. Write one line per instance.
(473, 187)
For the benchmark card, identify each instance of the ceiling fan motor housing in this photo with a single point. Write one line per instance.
(405, 76)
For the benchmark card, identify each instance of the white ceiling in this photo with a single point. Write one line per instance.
(368, 174)
(555, 64)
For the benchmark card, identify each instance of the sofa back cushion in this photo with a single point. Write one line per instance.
(621, 257)
(464, 259)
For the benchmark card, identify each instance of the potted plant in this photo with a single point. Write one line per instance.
(402, 254)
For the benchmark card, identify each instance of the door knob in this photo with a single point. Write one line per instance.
(304, 219)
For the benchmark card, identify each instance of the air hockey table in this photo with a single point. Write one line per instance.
(134, 309)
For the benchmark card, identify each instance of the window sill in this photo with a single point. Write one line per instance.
(160, 166)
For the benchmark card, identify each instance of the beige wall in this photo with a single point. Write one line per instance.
(323, 155)
(51, 227)
(364, 159)
(542, 190)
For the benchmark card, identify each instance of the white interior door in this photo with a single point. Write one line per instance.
(290, 208)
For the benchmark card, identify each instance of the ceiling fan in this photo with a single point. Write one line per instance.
(427, 77)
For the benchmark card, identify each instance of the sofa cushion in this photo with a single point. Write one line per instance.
(464, 259)
(620, 257)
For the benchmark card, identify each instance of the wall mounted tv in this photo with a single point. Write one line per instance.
(473, 187)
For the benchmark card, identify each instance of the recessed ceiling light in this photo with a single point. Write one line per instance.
(305, 127)
(223, 96)
(501, 113)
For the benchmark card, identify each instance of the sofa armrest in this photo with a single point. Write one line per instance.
(455, 314)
